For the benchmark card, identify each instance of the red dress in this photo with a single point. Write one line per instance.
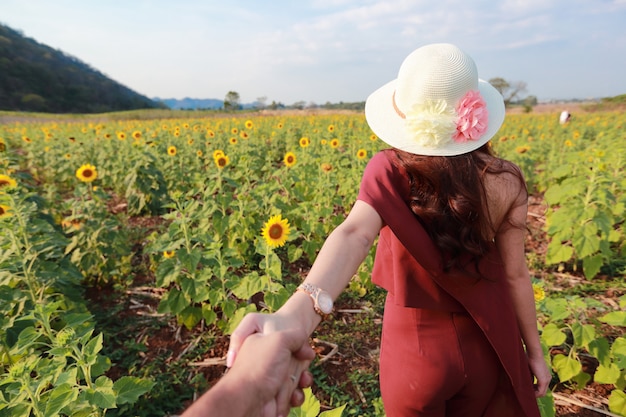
(409, 266)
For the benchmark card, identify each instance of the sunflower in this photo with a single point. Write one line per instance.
(334, 143)
(7, 182)
(5, 211)
(171, 150)
(3, 146)
(276, 231)
(233, 140)
(538, 292)
(87, 173)
(136, 135)
(210, 133)
(72, 224)
(361, 154)
(199, 153)
(373, 137)
(331, 128)
(289, 159)
(522, 149)
(221, 161)
(169, 254)
(217, 153)
(176, 133)
(249, 124)
(234, 131)
(279, 125)
(68, 156)
(304, 142)
(26, 139)
(189, 141)
(243, 134)
(326, 167)
(121, 135)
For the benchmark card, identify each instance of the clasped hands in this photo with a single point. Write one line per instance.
(273, 357)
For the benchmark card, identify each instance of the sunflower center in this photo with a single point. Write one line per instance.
(4, 183)
(275, 231)
(87, 173)
(221, 162)
(2, 211)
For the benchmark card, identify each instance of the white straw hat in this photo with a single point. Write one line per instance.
(437, 105)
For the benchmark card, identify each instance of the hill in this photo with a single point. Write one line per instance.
(35, 77)
(191, 103)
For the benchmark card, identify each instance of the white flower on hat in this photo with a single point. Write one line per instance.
(431, 123)
(435, 123)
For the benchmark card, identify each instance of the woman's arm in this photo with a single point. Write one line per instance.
(342, 253)
(510, 243)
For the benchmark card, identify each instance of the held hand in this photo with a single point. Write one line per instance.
(258, 323)
(254, 325)
(540, 371)
(276, 365)
(265, 381)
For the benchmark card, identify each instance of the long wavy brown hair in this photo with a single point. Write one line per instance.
(447, 194)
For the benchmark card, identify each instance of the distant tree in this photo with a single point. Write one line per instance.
(231, 101)
(261, 102)
(509, 91)
(276, 105)
(299, 105)
(33, 102)
(531, 101)
(528, 103)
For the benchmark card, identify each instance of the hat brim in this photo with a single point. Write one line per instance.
(389, 126)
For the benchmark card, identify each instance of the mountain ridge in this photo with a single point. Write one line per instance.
(36, 77)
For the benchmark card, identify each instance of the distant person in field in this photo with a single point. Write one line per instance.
(459, 333)
(564, 117)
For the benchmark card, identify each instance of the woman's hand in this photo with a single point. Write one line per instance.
(540, 371)
(265, 324)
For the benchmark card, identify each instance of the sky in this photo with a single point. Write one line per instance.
(319, 51)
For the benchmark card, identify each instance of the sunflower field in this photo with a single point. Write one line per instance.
(117, 228)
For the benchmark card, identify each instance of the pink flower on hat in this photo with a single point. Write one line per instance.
(472, 117)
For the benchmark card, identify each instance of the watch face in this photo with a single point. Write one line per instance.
(325, 302)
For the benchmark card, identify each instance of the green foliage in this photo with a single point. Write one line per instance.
(204, 251)
(579, 168)
(51, 363)
(576, 334)
(311, 408)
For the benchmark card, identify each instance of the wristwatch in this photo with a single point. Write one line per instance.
(322, 301)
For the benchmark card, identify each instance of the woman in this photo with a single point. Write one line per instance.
(459, 331)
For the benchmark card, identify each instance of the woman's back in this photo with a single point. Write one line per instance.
(504, 190)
